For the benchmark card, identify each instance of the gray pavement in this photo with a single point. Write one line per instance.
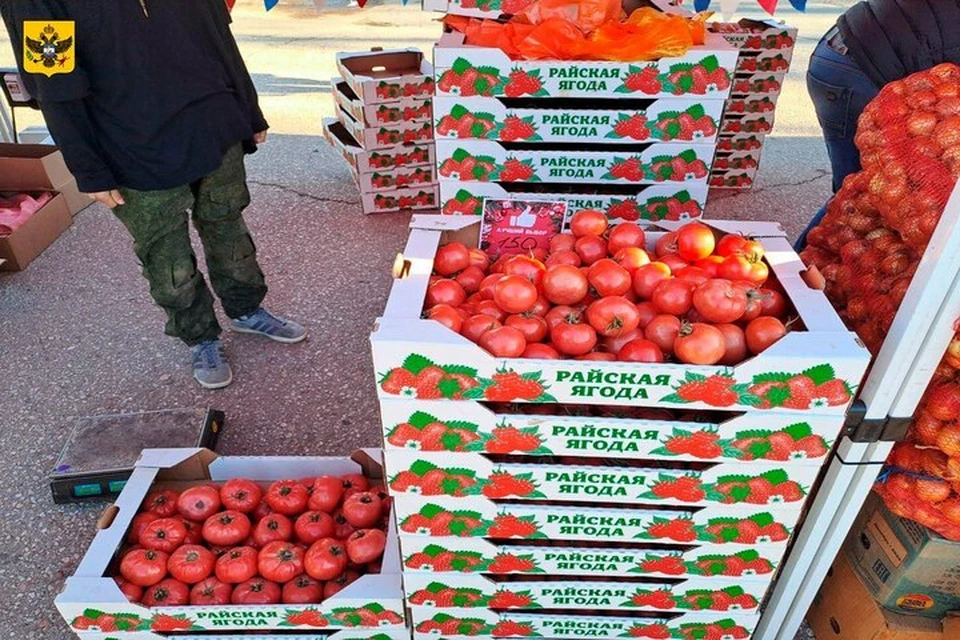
(79, 335)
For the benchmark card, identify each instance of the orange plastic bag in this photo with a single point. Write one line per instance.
(646, 35)
(553, 39)
(587, 15)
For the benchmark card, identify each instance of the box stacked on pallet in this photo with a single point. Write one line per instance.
(635, 140)
(599, 499)
(766, 49)
(384, 128)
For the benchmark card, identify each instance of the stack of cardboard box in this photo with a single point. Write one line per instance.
(384, 128)
(766, 49)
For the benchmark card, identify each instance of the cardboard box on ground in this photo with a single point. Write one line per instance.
(845, 610)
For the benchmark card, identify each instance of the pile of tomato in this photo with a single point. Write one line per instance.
(242, 543)
(599, 293)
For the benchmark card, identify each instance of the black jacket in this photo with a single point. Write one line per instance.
(159, 91)
(891, 39)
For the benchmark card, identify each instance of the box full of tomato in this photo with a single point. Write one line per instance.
(198, 542)
(669, 319)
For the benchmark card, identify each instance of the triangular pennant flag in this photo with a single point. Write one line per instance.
(230, 4)
(270, 4)
(361, 3)
(701, 5)
(799, 5)
(728, 8)
(770, 6)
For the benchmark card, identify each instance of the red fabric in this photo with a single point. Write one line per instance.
(770, 6)
(230, 4)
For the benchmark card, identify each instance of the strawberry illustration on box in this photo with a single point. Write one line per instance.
(374, 115)
(650, 203)
(492, 9)
(765, 62)
(366, 162)
(752, 123)
(745, 105)
(759, 84)
(757, 35)
(386, 136)
(415, 198)
(742, 179)
(740, 142)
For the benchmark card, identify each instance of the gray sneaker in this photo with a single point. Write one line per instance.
(264, 323)
(210, 366)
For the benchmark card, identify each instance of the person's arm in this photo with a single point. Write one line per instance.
(62, 100)
(242, 82)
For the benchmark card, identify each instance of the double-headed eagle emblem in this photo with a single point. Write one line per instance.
(47, 47)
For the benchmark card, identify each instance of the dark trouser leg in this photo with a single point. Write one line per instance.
(231, 255)
(157, 220)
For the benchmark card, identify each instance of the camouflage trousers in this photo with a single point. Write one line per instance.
(157, 220)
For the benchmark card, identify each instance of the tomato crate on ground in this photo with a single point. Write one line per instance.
(740, 161)
(91, 597)
(726, 525)
(758, 84)
(615, 122)
(747, 439)
(456, 556)
(405, 110)
(827, 356)
(365, 162)
(642, 204)
(491, 161)
(714, 594)
(741, 105)
(385, 136)
(704, 71)
(473, 623)
(422, 175)
(750, 123)
(733, 179)
(775, 61)
(732, 142)
(387, 76)
(476, 476)
(416, 198)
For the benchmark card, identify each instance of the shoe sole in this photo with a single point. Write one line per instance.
(266, 335)
(216, 385)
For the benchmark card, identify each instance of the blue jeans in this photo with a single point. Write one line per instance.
(840, 92)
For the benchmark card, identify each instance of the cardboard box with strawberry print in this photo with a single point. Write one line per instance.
(436, 517)
(490, 161)
(319, 634)
(633, 122)
(737, 142)
(750, 104)
(713, 594)
(385, 113)
(758, 84)
(757, 35)
(777, 61)
(92, 601)
(473, 623)
(750, 123)
(364, 162)
(393, 179)
(387, 76)
(477, 556)
(733, 179)
(740, 161)
(385, 136)
(418, 198)
(649, 203)
(704, 71)
(492, 9)
(427, 426)
(416, 358)
(474, 476)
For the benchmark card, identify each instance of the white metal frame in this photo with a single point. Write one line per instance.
(917, 340)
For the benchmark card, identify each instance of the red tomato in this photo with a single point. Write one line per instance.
(588, 222)
(479, 259)
(276, 526)
(451, 258)
(567, 256)
(720, 301)
(475, 326)
(673, 297)
(674, 261)
(572, 337)
(353, 483)
(773, 303)
(735, 342)
(343, 529)
(647, 277)
(503, 342)
(640, 351)
(631, 258)
(338, 584)
(194, 532)
(488, 284)
(564, 284)
(326, 494)
(447, 316)
(667, 243)
(608, 278)
(236, 565)
(614, 344)
(515, 294)
(559, 314)
(525, 267)
(363, 510)
(470, 279)
(700, 344)
(302, 590)
(256, 591)
(562, 242)
(625, 234)
(695, 241)
(191, 563)
(325, 559)
(226, 529)
(694, 275)
(167, 593)
(533, 327)
(598, 355)
(736, 245)
(313, 525)
(763, 332)
(162, 503)
(591, 248)
(288, 497)
(130, 591)
(710, 265)
(261, 512)
(492, 309)
(280, 561)
(366, 545)
(613, 316)
(540, 307)
(238, 494)
(445, 291)
(199, 503)
(741, 268)
(144, 567)
(210, 592)
(647, 311)
(538, 351)
(138, 524)
(663, 331)
(163, 534)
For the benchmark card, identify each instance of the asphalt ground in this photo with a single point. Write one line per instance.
(79, 335)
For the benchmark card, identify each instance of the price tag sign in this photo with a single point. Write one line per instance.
(512, 227)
